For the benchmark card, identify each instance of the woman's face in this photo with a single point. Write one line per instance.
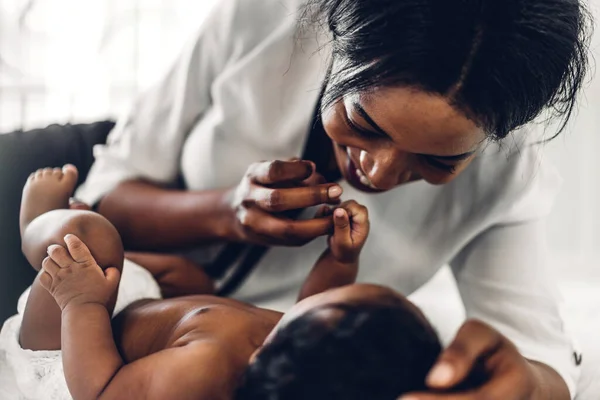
(396, 135)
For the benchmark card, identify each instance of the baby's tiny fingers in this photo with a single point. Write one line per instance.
(60, 255)
(358, 212)
(46, 280)
(342, 228)
(78, 250)
(50, 267)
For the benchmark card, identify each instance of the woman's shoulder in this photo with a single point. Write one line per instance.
(514, 176)
(253, 21)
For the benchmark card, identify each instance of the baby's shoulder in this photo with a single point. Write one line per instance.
(199, 369)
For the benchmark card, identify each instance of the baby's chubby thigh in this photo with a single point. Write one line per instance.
(40, 329)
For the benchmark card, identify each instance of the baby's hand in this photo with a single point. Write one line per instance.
(351, 228)
(72, 276)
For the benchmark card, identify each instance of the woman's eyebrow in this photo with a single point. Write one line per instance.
(361, 111)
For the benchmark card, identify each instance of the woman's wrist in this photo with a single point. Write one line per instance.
(549, 385)
(223, 220)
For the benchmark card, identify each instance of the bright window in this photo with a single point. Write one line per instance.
(73, 60)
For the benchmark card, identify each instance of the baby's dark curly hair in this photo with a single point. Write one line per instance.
(370, 352)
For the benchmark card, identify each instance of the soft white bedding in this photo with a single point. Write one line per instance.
(29, 375)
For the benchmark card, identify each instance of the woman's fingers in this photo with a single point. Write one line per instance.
(279, 172)
(270, 189)
(506, 383)
(324, 211)
(279, 200)
(314, 179)
(487, 366)
(474, 340)
(287, 232)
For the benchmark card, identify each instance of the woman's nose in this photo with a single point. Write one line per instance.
(386, 168)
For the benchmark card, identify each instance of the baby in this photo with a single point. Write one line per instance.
(340, 341)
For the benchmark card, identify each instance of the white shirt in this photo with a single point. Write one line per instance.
(245, 90)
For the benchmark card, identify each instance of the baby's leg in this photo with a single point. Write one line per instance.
(45, 220)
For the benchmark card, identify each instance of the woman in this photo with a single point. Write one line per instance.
(402, 100)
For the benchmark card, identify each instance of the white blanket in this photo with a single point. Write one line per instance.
(38, 375)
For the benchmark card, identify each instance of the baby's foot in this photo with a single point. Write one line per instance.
(46, 190)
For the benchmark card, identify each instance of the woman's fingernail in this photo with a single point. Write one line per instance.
(68, 236)
(441, 375)
(339, 213)
(334, 192)
(408, 398)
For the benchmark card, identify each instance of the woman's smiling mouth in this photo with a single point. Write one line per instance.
(360, 177)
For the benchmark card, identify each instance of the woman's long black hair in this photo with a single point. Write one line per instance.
(502, 62)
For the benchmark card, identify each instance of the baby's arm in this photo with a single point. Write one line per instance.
(338, 265)
(92, 364)
(82, 290)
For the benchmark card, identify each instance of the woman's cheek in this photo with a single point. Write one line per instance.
(336, 128)
(435, 177)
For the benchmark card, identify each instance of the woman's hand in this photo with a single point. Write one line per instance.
(482, 364)
(268, 190)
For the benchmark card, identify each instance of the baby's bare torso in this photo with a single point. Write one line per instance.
(236, 329)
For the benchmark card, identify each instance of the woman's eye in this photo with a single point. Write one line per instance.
(450, 169)
(365, 133)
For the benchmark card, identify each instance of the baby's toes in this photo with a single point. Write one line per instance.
(47, 172)
(57, 173)
(69, 175)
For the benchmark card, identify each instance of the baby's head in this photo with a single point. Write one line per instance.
(355, 342)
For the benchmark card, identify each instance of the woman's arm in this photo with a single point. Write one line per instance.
(176, 276)
(504, 281)
(146, 144)
(516, 338)
(149, 217)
